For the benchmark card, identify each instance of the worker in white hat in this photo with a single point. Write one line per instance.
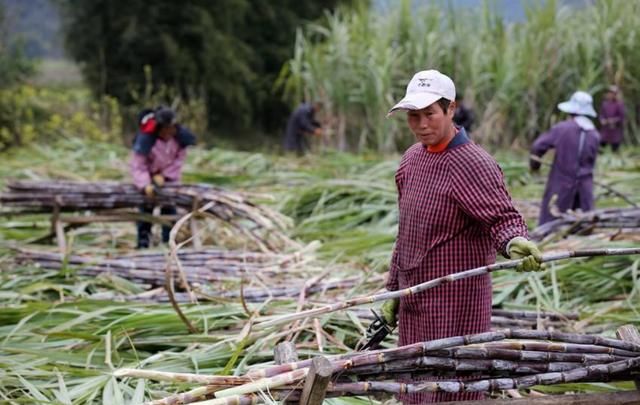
(576, 142)
(454, 214)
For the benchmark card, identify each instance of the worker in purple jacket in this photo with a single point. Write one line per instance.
(576, 142)
(612, 119)
(159, 150)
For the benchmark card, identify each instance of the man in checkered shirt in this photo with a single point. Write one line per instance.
(455, 213)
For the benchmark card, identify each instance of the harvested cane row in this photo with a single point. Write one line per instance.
(206, 268)
(581, 223)
(213, 274)
(491, 361)
(263, 225)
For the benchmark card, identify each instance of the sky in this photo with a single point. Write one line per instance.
(511, 10)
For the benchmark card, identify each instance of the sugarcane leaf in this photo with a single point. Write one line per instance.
(84, 318)
(138, 395)
(37, 394)
(112, 393)
(235, 355)
(19, 325)
(62, 394)
(356, 322)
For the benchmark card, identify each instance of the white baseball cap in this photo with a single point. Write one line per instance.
(580, 103)
(425, 88)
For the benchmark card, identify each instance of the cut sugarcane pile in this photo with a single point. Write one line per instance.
(211, 273)
(215, 274)
(263, 225)
(581, 223)
(492, 361)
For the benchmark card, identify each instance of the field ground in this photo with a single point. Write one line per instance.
(62, 333)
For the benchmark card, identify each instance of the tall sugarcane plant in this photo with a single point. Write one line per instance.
(514, 74)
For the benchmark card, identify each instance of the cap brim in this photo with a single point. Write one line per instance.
(416, 101)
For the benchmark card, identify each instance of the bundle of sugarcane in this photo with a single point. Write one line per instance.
(213, 274)
(153, 271)
(219, 293)
(258, 222)
(578, 223)
(500, 360)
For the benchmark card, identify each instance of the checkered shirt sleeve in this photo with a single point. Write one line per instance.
(479, 188)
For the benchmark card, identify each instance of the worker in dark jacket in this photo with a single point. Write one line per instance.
(159, 151)
(301, 123)
(576, 142)
(463, 116)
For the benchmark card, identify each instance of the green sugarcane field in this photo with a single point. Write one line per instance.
(341, 202)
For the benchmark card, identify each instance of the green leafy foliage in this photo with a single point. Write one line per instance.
(36, 114)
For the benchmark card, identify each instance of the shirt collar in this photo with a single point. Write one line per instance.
(460, 138)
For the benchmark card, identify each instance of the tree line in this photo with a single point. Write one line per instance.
(227, 53)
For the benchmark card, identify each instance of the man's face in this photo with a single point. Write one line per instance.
(167, 133)
(431, 125)
(611, 95)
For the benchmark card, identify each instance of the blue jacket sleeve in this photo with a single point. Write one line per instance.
(306, 120)
(185, 137)
(143, 142)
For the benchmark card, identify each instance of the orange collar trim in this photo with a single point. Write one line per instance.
(440, 147)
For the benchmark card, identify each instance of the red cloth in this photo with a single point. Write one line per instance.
(455, 212)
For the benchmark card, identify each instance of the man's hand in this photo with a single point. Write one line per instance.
(521, 248)
(158, 180)
(389, 311)
(150, 190)
(317, 131)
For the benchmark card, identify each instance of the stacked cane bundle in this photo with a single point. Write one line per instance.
(263, 225)
(500, 360)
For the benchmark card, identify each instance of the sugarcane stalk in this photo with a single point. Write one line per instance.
(574, 338)
(462, 365)
(535, 315)
(185, 398)
(232, 400)
(488, 352)
(265, 383)
(561, 347)
(440, 281)
(180, 377)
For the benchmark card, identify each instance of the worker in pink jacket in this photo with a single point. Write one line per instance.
(159, 150)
